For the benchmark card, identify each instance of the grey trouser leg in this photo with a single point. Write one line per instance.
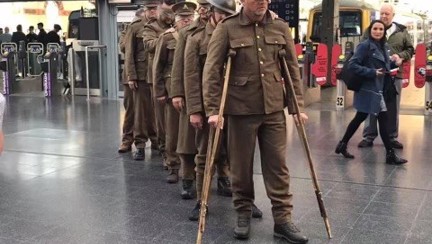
(370, 131)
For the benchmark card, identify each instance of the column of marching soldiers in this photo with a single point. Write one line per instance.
(165, 50)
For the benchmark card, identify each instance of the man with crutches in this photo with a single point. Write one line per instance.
(195, 55)
(254, 108)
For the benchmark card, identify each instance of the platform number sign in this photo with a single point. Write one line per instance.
(340, 101)
(287, 10)
(428, 105)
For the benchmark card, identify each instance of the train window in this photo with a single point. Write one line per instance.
(349, 24)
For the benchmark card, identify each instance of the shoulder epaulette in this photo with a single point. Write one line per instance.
(136, 21)
(231, 16)
(197, 30)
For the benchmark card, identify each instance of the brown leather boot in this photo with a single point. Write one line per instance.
(124, 148)
(173, 176)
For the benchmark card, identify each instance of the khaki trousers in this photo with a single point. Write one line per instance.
(144, 123)
(187, 166)
(201, 141)
(270, 129)
(159, 110)
(128, 103)
(171, 136)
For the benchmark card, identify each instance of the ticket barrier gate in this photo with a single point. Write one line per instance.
(22, 59)
(7, 66)
(312, 63)
(35, 51)
(423, 74)
(85, 60)
(49, 64)
(344, 97)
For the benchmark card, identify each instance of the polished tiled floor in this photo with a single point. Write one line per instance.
(62, 181)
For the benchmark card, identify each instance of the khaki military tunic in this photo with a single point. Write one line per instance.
(195, 56)
(254, 106)
(162, 66)
(151, 33)
(135, 54)
(186, 137)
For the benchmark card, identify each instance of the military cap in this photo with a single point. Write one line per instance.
(151, 3)
(184, 8)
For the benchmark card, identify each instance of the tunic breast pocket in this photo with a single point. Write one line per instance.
(244, 50)
(274, 44)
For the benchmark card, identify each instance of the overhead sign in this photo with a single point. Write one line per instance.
(119, 1)
(287, 10)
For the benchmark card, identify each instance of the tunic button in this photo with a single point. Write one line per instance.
(258, 37)
(256, 24)
(276, 41)
(262, 75)
(259, 49)
(242, 44)
(261, 62)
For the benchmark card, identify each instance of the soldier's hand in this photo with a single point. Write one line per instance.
(162, 99)
(133, 85)
(178, 103)
(214, 121)
(196, 120)
(303, 118)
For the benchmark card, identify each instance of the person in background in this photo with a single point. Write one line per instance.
(31, 36)
(18, 35)
(401, 50)
(2, 109)
(371, 60)
(6, 36)
(42, 35)
(53, 36)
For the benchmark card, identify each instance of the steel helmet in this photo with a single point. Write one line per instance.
(228, 6)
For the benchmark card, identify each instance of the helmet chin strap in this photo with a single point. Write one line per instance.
(214, 18)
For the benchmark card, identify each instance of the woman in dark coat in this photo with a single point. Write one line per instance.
(371, 61)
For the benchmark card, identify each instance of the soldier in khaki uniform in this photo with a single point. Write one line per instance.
(151, 33)
(127, 137)
(186, 138)
(136, 74)
(254, 109)
(162, 66)
(195, 55)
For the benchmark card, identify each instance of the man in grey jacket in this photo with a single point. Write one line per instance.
(401, 50)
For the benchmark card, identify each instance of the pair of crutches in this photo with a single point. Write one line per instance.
(214, 137)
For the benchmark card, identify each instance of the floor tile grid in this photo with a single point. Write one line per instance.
(355, 222)
(415, 219)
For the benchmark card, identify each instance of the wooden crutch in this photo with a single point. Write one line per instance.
(291, 98)
(213, 143)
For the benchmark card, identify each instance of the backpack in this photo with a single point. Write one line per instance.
(352, 81)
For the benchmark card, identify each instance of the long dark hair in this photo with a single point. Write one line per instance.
(383, 39)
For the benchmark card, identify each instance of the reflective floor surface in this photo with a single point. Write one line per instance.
(62, 181)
